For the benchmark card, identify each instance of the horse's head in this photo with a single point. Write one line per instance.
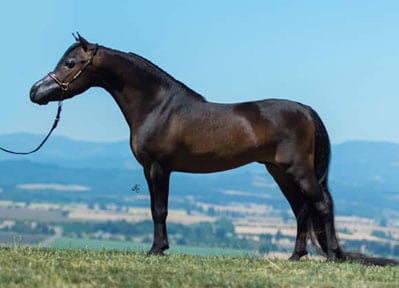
(71, 76)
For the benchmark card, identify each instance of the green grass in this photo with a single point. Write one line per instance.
(33, 267)
(78, 243)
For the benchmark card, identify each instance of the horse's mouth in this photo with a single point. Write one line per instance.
(38, 100)
(42, 94)
(41, 102)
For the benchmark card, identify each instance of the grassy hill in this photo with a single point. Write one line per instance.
(32, 267)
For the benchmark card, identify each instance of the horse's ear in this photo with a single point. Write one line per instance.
(82, 41)
(75, 37)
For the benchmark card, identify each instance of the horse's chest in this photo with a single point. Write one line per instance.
(147, 149)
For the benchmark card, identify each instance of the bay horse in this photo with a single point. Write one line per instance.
(173, 128)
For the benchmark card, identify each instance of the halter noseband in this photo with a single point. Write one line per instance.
(64, 85)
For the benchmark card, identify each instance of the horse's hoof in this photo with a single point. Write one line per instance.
(333, 258)
(296, 256)
(156, 251)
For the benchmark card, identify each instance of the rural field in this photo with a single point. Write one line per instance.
(44, 267)
(254, 226)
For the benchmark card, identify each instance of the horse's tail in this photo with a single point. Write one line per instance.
(316, 231)
(368, 260)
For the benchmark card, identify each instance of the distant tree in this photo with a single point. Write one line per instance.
(379, 234)
(223, 229)
(211, 212)
(383, 222)
(279, 235)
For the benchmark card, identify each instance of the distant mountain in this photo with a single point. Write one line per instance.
(66, 152)
(372, 164)
(363, 176)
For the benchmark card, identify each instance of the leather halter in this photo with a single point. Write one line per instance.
(64, 85)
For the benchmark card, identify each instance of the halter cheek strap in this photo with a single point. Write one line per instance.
(64, 85)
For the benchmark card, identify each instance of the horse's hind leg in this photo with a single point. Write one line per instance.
(313, 191)
(295, 197)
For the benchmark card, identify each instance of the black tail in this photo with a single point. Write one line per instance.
(368, 260)
(316, 230)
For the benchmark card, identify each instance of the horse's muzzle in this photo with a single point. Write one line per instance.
(44, 91)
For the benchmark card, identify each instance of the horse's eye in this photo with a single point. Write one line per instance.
(69, 64)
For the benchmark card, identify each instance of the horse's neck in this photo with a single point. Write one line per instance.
(136, 90)
(133, 92)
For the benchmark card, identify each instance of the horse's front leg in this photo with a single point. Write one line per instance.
(158, 184)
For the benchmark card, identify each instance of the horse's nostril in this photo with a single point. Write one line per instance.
(32, 93)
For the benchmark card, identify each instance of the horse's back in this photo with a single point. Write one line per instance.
(280, 117)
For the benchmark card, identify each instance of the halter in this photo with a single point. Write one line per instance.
(64, 85)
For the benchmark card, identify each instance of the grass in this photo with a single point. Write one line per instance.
(34, 267)
(78, 243)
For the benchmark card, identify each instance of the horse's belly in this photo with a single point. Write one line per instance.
(212, 154)
(208, 163)
(207, 166)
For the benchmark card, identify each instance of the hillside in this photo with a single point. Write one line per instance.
(27, 267)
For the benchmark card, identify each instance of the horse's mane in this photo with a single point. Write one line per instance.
(154, 70)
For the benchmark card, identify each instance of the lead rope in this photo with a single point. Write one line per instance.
(64, 86)
(57, 118)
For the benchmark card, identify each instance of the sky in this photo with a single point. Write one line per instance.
(340, 57)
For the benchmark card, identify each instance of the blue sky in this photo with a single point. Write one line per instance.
(340, 57)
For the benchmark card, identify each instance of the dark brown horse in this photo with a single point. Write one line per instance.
(173, 128)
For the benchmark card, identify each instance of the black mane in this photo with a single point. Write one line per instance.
(155, 71)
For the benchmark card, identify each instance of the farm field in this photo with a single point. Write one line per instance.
(33, 267)
(255, 224)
